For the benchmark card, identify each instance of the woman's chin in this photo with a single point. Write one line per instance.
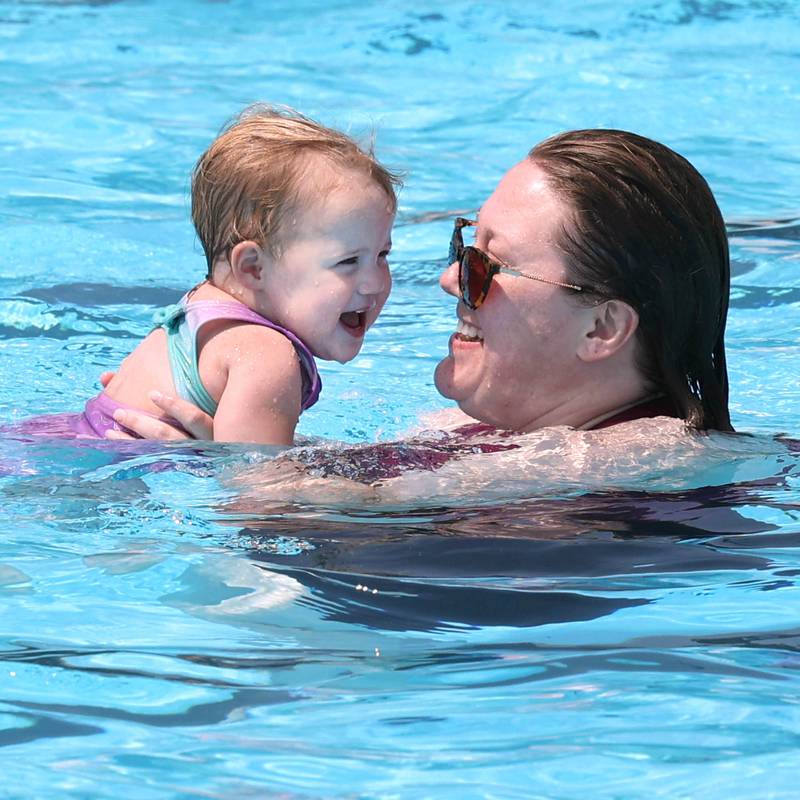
(454, 383)
(443, 378)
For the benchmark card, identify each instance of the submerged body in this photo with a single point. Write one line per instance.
(429, 451)
(472, 462)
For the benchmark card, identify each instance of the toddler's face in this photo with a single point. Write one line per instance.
(332, 278)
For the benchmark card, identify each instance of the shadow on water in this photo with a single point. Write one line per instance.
(510, 564)
(778, 228)
(102, 294)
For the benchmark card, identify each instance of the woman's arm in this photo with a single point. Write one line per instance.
(197, 424)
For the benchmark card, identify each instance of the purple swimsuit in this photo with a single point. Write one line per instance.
(182, 322)
(96, 419)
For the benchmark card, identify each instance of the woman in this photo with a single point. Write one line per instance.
(629, 301)
(596, 293)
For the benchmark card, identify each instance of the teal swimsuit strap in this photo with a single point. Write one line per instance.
(182, 348)
(184, 363)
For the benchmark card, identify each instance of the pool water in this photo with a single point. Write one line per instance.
(633, 631)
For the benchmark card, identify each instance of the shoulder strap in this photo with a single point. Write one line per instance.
(183, 323)
(182, 349)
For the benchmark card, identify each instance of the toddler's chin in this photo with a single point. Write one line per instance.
(342, 357)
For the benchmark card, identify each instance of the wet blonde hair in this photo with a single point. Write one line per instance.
(253, 177)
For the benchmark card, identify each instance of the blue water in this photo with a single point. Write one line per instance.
(630, 629)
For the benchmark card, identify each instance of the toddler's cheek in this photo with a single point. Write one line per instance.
(381, 304)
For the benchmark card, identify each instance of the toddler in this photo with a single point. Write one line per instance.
(295, 220)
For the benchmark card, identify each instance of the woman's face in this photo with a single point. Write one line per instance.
(513, 362)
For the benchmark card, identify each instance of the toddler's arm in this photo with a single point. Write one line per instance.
(261, 401)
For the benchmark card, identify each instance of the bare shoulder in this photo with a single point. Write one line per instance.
(261, 399)
(235, 343)
(256, 354)
(442, 419)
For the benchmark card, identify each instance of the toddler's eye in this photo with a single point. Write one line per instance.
(348, 262)
(384, 253)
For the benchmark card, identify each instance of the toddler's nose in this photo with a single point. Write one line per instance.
(374, 281)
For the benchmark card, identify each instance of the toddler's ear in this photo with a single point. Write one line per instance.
(247, 262)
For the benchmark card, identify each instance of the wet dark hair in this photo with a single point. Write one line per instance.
(644, 228)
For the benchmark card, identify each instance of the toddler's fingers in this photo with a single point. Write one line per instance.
(199, 424)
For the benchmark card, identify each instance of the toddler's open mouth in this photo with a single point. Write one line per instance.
(354, 322)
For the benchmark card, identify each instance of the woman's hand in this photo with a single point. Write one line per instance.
(198, 424)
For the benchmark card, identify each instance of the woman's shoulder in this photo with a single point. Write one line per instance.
(443, 419)
(650, 407)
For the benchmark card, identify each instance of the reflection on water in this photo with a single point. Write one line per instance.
(551, 554)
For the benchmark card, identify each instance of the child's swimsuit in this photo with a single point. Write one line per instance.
(183, 322)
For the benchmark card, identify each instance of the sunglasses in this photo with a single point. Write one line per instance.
(476, 269)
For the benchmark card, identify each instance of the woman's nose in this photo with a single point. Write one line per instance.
(448, 280)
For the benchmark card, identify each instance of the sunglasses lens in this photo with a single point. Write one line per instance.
(473, 273)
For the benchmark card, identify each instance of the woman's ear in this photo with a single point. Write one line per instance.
(248, 261)
(611, 326)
